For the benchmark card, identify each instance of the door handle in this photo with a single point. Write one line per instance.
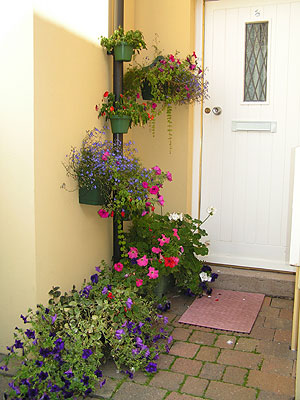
(215, 110)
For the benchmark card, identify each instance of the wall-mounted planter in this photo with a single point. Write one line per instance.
(123, 52)
(120, 123)
(93, 197)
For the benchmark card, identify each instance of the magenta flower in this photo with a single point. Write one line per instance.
(153, 273)
(160, 69)
(192, 66)
(169, 176)
(161, 200)
(157, 170)
(105, 155)
(139, 282)
(145, 185)
(163, 240)
(171, 58)
(138, 96)
(181, 249)
(172, 66)
(156, 250)
(154, 189)
(142, 262)
(148, 204)
(176, 233)
(144, 213)
(118, 266)
(154, 105)
(186, 87)
(133, 252)
(103, 213)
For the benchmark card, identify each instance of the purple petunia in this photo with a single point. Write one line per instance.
(86, 353)
(98, 269)
(98, 373)
(151, 367)
(24, 318)
(43, 375)
(105, 290)
(119, 333)
(30, 334)
(129, 303)
(53, 318)
(69, 373)
(102, 383)
(95, 278)
(85, 380)
(15, 388)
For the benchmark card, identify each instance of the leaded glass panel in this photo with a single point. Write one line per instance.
(256, 56)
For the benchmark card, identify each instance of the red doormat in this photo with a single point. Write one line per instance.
(225, 309)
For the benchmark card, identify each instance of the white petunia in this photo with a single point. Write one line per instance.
(211, 210)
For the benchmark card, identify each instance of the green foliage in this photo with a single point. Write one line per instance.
(66, 343)
(133, 38)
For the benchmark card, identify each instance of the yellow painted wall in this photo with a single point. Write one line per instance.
(50, 81)
(173, 21)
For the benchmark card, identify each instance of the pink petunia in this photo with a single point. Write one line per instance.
(181, 249)
(156, 250)
(153, 273)
(148, 204)
(118, 266)
(163, 240)
(157, 170)
(145, 213)
(154, 189)
(139, 282)
(103, 213)
(154, 105)
(105, 156)
(138, 96)
(171, 58)
(176, 233)
(142, 262)
(169, 176)
(161, 200)
(145, 185)
(133, 252)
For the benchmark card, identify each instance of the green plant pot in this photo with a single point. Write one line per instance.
(164, 284)
(146, 90)
(93, 197)
(120, 124)
(123, 52)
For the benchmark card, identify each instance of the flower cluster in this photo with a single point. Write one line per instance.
(166, 245)
(139, 113)
(63, 348)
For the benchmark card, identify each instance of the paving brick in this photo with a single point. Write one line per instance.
(235, 375)
(107, 390)
(279, 366)
(272, 396)
(246, 344)
(262, 333)
(133, 391)
(140, 377)
(201, 328)
(225, 341)
(171, 316)
(183, 349)
(240, 359)
(181, 334)
(110, 370)
(286, 314)
(179, 396)
(271, 382)
(283, 336)
(270, 312)
(195, 386)
(203, 337)
(282, 303)
(212, 371)
(259, 322)
(164, 361)
(275, 349)
(266, 302)
(187, 366)
(167, 380)
(207, 353)
(278, 323)
(227, 391)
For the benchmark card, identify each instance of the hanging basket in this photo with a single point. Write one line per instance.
(93, 197)
(164, 284)
(123, 52)
(120, 123)
(146, 90)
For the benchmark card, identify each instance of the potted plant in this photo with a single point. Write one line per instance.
(170, 81)
(167, 246)
(124, 112)
(122, 44)
(85, 166)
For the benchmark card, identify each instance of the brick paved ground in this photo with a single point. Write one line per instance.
(211, 364)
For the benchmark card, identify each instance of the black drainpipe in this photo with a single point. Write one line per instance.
(117, 89)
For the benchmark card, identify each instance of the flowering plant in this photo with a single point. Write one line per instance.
(124, 106)
(63, 345)
(132, 38)
(165, 245)
(171, 80)
(129, 187)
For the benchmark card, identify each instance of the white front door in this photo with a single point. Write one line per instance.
(247, 161)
